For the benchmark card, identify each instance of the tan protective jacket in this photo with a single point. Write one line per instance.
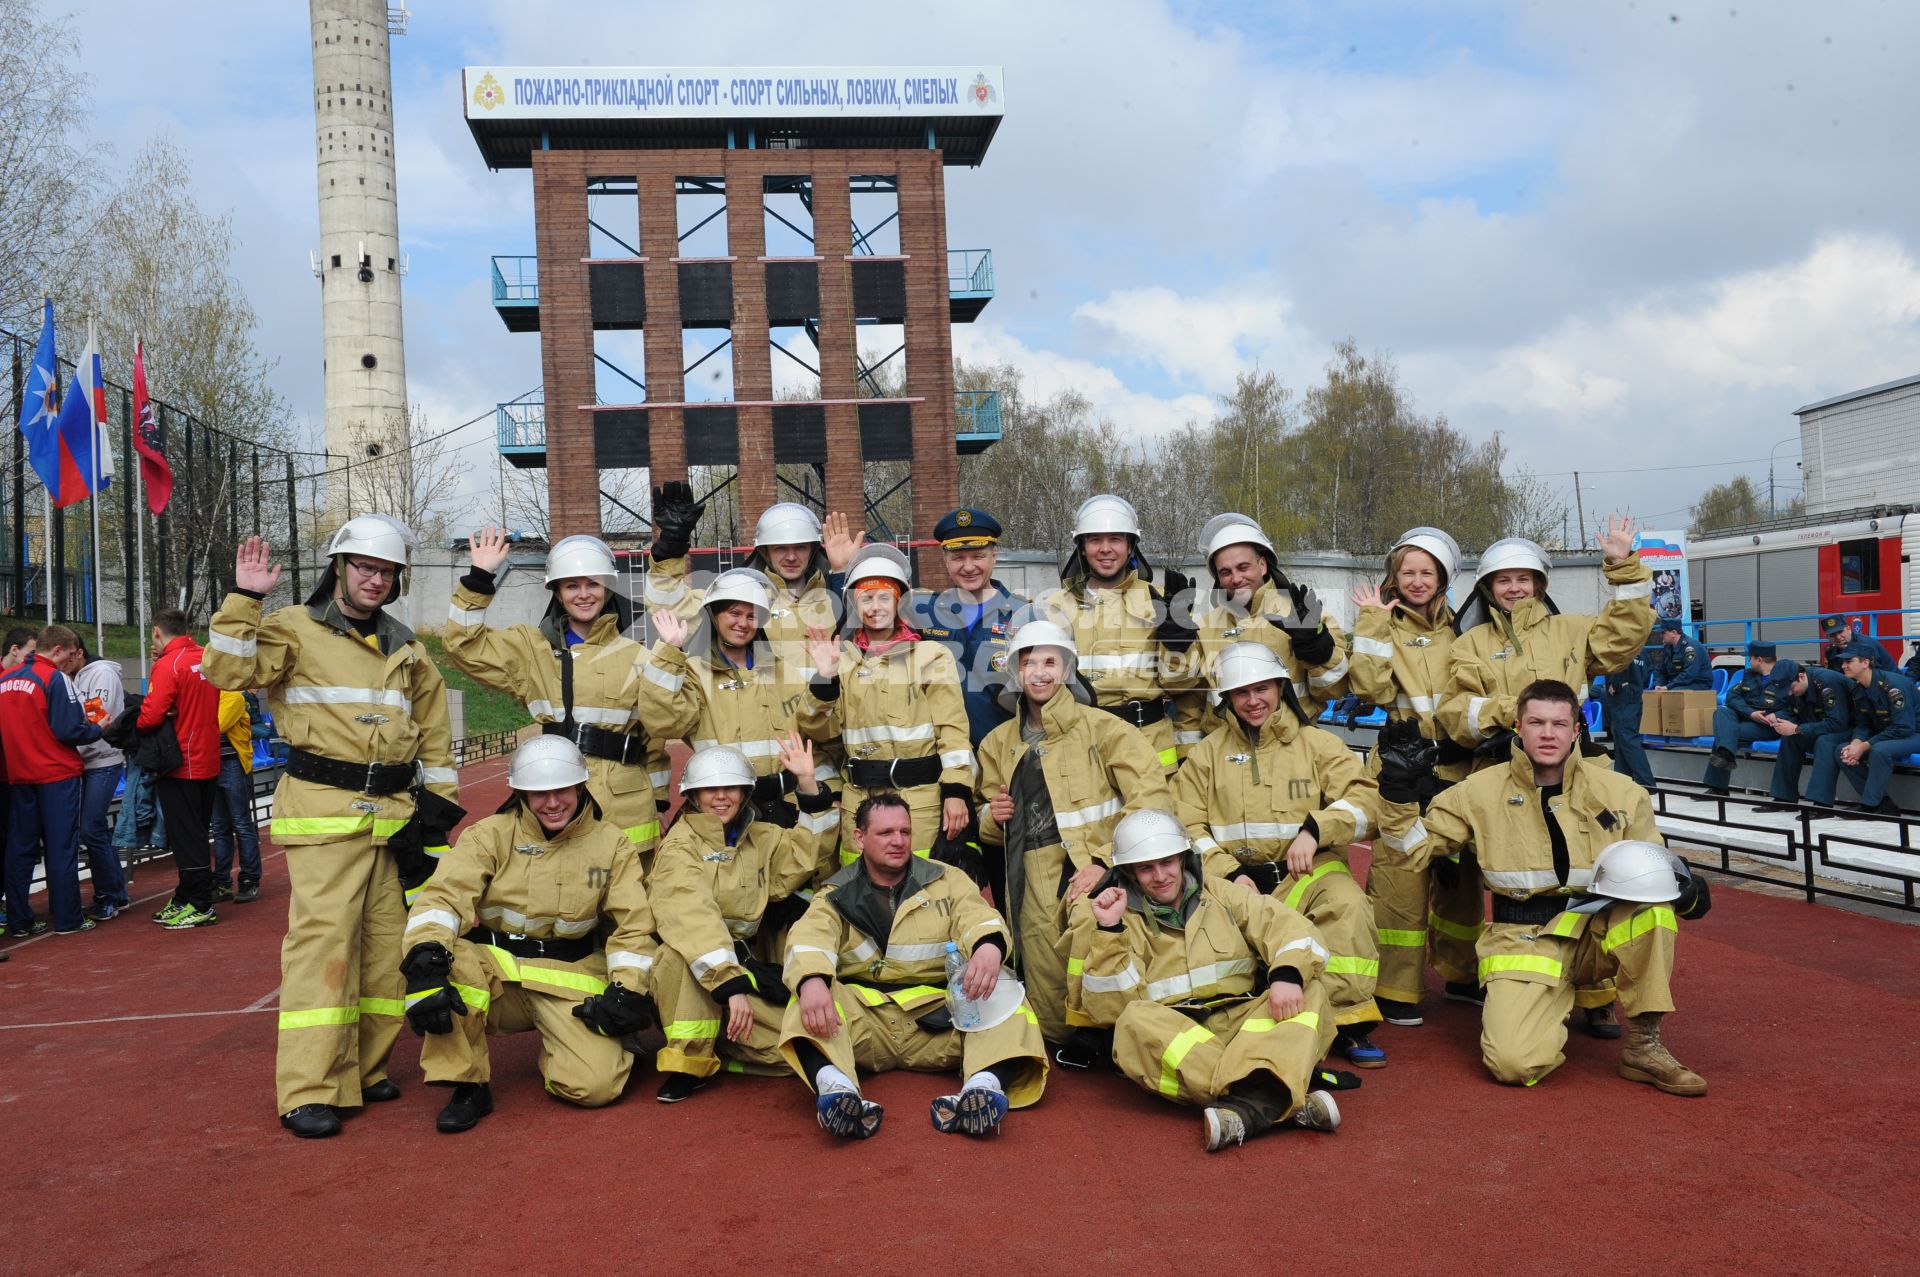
(706, 701)
(708, 896)
(335, 694)
(1097, 769)
(904, 702)
(1211, 960)
(1119, 656)
(1492, 662)
(524, 662)
(1223, 625)
(1244, 800)
(1399, 661)
(517, 879)
(908, 964)
(813, 604)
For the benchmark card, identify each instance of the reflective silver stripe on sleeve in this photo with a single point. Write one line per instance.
(708, 963)
(1359, 817)
(1329, 676)
(1111, 983)
(915, 952)
(1633, 590)
(820, 822)
(1198, 978)
(1364, 646)
(661, 779)
(434, 918)
(663, 678)
(1306, 942)
(1474, 706)
(1418, 704)
(501, 918)
(957, 758)
(1087, 815)
(439, 776)
(310, 695)
(467, 616)
(246, 649)
(864, 951)
(1519, 879)
(619, 958)
(1415, 835)
(1188, 738)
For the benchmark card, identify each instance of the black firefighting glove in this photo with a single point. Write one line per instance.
(1266, 874)
(676, 514)
(1694, 899)
(417, 846)
(432, 1001)
(1407, 761)
(1497, 747)
(617, 1012)
(1446, 872)
(1306, 629)
(784, 912)
(1176, 629)
(768, 980)
(963, 853)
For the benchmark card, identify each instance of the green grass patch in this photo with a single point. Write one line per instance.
(487, 710)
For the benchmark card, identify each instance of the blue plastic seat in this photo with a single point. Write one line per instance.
(1722, 679)
(1770, 748)
(1591, 711)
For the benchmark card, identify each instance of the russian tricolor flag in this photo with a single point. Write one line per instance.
(65, 439)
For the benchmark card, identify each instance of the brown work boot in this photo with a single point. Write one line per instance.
(1645, 1058)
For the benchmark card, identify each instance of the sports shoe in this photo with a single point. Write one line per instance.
(168, 909)
(678, 1086)
(977, 1110)
(189, 917)
(104, 911)
(35, 928)
(1224, 1128)
(1601, 1022)
(471, 1101)
(1471, 994)
(845, 1114)
(248, 891)
(1317, 1113)
(86, 924)
(1360, 1050)
(1405, 1014)
(311, 1121)
(380, 1092)
(222, 892)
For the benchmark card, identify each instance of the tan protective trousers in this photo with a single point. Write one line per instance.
(1196, 1061)
(1531, 982)
(1419, 921)
(693, 1023)
(876, 1035)
(1043, 968)
(341, 992)
(577, 1063)
(1339, 910)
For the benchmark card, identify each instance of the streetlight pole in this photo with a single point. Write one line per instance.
(1773, 510)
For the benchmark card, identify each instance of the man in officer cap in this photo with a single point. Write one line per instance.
(1885, 730)
(1682, 664)
(1816, 703)
(973, 617)
(365, 805)
(1843, 638)
(1745, 717)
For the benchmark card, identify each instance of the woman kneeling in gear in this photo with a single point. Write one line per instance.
(724, 886)
(1171, 959)
(1510, 634)
(542, 877)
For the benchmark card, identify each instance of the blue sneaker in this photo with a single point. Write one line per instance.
(103, 911)
(1360, 1051)
(976, 1111)
(845, 1114)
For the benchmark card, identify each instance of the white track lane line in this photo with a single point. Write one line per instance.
(130, 1019)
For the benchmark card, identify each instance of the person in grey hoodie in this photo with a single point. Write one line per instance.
(102, 696)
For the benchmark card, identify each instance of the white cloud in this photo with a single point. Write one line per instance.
(1046, 373)
(1204, 341)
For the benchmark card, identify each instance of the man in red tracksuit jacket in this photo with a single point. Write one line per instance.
(42, 720)
(186, 794)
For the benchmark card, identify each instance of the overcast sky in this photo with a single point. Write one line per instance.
(1632, 237)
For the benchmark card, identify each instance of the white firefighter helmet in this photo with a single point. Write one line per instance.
(1511, 552)
(786, 523)
(716, 767)
(375, 536)
(1147, 835)
(544, 763)
(1247, 663)
(742, 585)
(1444, 549)
(1106, 513)
(1223, 530)
(882, 561)
(1041, 634)
(581, 555)
(1632, 870)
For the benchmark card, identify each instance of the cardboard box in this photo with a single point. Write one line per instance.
(1652, 708)
(1686, 713)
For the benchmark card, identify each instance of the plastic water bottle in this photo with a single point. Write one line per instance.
(966, 1011)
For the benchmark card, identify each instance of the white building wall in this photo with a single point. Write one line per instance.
(1865, 451)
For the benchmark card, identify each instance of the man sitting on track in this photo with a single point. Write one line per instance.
(868, 963)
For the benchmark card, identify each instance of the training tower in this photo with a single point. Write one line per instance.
(359, 263)
(786, 217)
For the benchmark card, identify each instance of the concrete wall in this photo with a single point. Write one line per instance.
(1864, 451)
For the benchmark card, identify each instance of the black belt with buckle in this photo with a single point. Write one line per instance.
(363, 778)
(1530, 912)
(598, 742)
(1139, 713)
(893, 773)
(524, 947)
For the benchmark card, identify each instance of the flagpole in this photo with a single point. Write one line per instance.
(140, 537)
(49, 534)
(99, 622)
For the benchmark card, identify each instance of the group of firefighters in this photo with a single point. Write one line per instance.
(959, 830)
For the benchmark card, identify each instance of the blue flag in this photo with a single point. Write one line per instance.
(40, 409)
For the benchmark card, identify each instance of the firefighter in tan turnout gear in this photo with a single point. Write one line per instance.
(366, 802)
(722, 885)
(577, 672)
(1509, 634)
(1174, 960)
(1273, 802)
(1052, 783)
(1400, 651)
(542, 877)
(892, 701)
(1134, 641)
(1547, 827)
(868, 965)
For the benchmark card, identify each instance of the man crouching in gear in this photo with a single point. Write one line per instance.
(541, 877)
(1549, 826)
(1173, 960)
(868, 962)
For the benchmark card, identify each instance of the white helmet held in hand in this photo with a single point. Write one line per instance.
(717, 767)
(581, 555)
(1244, 664)
(1636, 871)
(880, 561)
(1444, 549)
(742, 585)
(544, 763)
(787, 523)
(1511, 552)
(375, 536)
(1223, 530)
(1147, 835)
(1106, 513)
(1041, 634)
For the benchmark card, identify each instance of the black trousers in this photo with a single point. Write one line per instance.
(188, 807)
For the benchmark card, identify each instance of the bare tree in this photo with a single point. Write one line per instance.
(49, 174)
(412, 483)
(518, 499)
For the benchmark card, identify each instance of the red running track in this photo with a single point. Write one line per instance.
(138, 1128)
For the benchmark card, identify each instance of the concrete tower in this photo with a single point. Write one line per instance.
(359, 263)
